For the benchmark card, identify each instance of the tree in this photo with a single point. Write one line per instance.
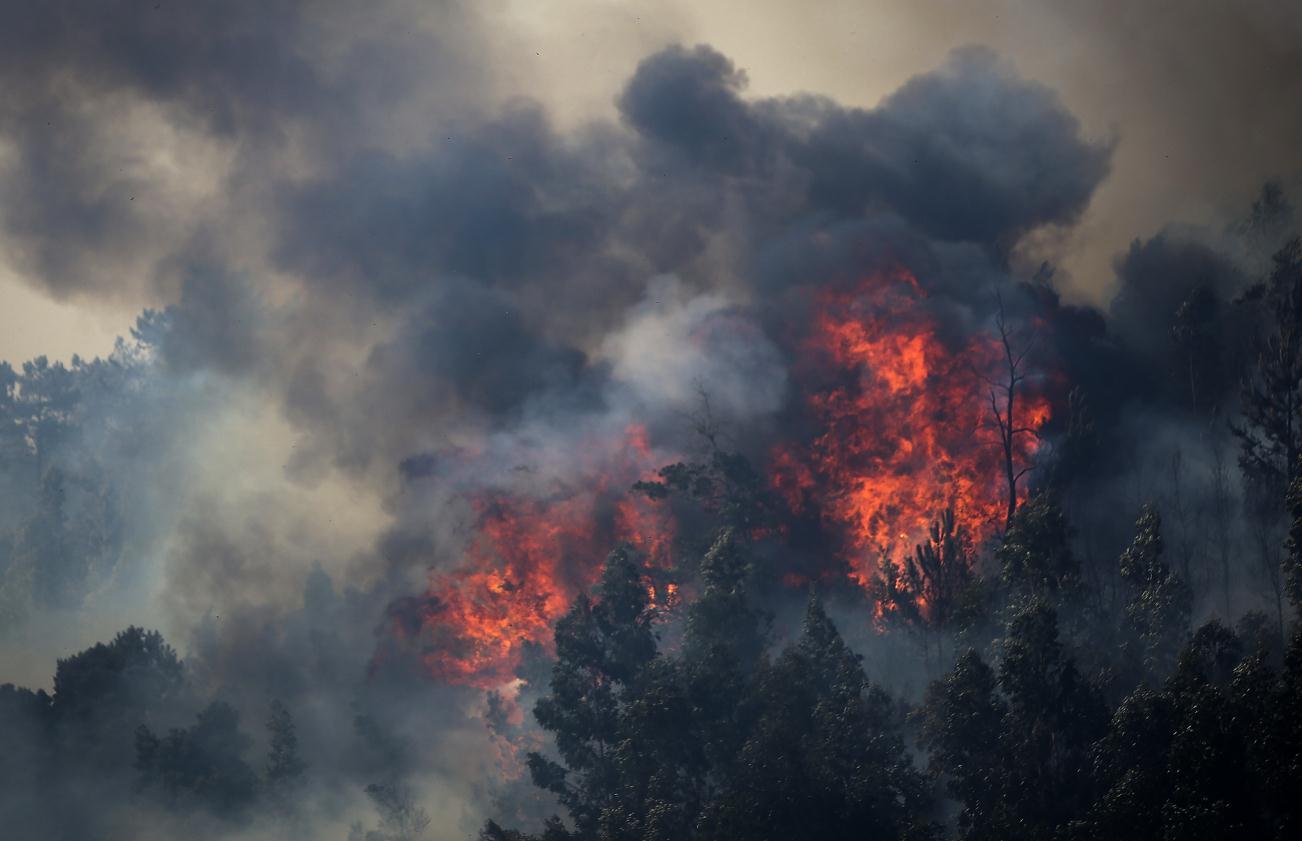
(1223, 503)
(1270, 218)
(824, 758)
(1160, 602)
(1178, 762)
(284, 767)
(1054, 717)
(401, 817)
(1018, 759)
(601, 646)
(715, 741)
(1293, 554)
(925, 592)
(48, 397)
(963, 728)
(1035, 557)
(1196, 335)
(204, 762)
(103, 693)
(1270, 432)
(722, 481)
(724, 645)
(1004, 406)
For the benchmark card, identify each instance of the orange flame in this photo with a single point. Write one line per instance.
(905, 426)
(903, 429)
(527, 561)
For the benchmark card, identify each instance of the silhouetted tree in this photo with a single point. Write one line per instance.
(1015, 750)
(1035, 557)
(103, 693)
(1204, 756)
(1196, 333)
(1004, 408)
(203, 762)
(601, 646)
(284, 771)
(926, 591)
(1270, 433)
(1158, 608)
(824, 758)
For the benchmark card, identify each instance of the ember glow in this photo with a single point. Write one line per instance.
(905, 427)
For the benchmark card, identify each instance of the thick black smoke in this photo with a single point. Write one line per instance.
(371, 266)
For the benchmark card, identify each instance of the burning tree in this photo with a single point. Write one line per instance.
(1009, 419)
(926, 591)
(902, 423)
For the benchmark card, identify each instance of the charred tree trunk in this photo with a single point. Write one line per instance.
(1004, 390)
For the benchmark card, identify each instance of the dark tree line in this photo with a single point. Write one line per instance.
(1080, 699)
(97, 730)
(1169, 733)
(1071, 696)
(722, 739)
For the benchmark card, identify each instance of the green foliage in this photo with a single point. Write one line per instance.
(1013, 745)
(933, 591)
(1160, 602)
(601, 648)
(132, 676)
(724, 483)
(1270, 435)
(203, 762)
(1212, 754)
(716, 741)
(823, 758)
(1035, 557)
(284, 766)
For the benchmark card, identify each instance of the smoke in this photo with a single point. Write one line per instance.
(389, 292)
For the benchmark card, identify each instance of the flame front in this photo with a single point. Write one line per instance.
(529, 556)
(905, 427)
(898, 427)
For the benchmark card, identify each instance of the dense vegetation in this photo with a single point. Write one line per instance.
(1072, 695)
(1155, 732)
(1071, 706)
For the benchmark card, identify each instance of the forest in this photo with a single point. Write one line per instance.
(442, 421)
(1067, 696)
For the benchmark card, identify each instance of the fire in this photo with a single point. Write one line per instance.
(529, 557)
(900, 429)
(904, 424)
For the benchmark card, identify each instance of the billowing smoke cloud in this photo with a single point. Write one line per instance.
(388, 294)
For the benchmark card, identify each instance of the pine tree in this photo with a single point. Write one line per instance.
(927, 592)
(1160, 602)
(824, 758)
(1270, 434)
(1035, 557)
(284, 767)
(1019, 758)
(601, 647)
